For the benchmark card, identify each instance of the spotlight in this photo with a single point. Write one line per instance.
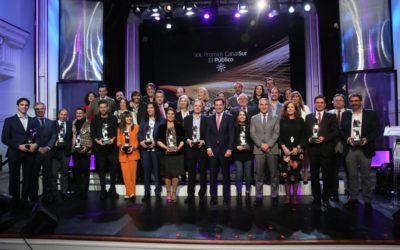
(307, 6)
(291, 9)
(154, 8)
(242, 7)
(189, 8)
(261, 4)
(168, 7)
(168, 26)
(272, 13)
(206, 15)
(155, 14)
(157, 18)
(237, 15)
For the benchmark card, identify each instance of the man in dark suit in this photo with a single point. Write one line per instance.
(19, 134)
(233, 100)
(321, 134)
(60, 154)
(243, 100)
(46, 140)
(150, 93)
(219, 142)
(94, 105)
(359, 129)
(195, 126)
(162, 104)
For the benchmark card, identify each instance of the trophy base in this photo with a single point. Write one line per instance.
(125, 149)
(314, 139)
(196, 144)
(245, 147)
(357, 143)
(28, 146)
(106, 141)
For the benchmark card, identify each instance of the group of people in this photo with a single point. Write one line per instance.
(277, 132)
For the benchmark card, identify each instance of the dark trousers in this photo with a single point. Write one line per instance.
(107, 159)
(197, 157)
(44, 162)
(59, 163)
(14, 163)
(82, 172)
(340, 162)
(151, 164)
(321, 163)
(219, 161)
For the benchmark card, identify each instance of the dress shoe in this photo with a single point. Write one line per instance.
(132, 198)
(352, 203)
(368, 206)
(258, 202)
(227, 201)
(146, 197)
(112, 193)
(103, 195)
(248, 199)
(189, 199)
(239, 199)
(213, 201)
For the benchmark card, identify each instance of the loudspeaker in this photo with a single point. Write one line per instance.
(42, 221)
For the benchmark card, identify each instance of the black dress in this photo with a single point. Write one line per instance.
(292, 133)
(171, 164)
(244, 155)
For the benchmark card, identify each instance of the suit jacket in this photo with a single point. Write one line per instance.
(144, 124)
(232, 101)
(251, 110)
(14, 134)
(339, 143)
(222, 139)
(179, 118)
(369, 129)
(188, 127)
(133, 141)
(261, 134)
(67, 138)
(328, 128)
(94, 106)
(47, 135)
(279, 107)
(162, 135)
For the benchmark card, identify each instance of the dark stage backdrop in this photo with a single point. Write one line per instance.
(217, 54)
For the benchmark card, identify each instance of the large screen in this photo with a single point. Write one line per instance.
(365, 27)
(81, 40)
(215, 55)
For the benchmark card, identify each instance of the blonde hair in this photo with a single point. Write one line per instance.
(301, 102)
(207, 97)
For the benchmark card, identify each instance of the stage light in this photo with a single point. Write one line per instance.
(307, 6)
(206, 15)
(272, 13)
(168, 8)
(154, 8)
(157, 18)
(189, 8)
(242, 7)
(291, 9)
(237, 15)
(168, 26)
(261, 4)
(155, 14)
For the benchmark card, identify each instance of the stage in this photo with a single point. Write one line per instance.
(199, 223)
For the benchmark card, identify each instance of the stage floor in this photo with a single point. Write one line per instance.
(157, 221)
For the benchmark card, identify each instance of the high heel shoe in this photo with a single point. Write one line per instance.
(169, 197)
(173, 199)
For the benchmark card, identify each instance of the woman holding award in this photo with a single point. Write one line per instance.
(292, 142)
(81, 150)
(128, 144)
(243, 155)
(170, 138)
(150, 154)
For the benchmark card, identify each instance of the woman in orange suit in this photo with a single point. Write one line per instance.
(128, 144)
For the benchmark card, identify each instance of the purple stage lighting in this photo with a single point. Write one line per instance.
(157, 18)
(237, 14)
(206, 15)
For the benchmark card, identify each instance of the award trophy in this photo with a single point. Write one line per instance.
(148, 140)
(356, 137)
(242, 138)
(195, 139)
(78, 144)
(30, 137)
(171, 140)
(126, 146)
(60, 137)
(315, 131)
(104, 131)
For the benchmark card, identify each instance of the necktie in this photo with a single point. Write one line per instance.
(319, 117)
(339, 116)
(42, 122)
(264, 120)
(218, 120)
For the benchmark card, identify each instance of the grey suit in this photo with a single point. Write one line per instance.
(94, 106)
(265, 134)
(277, 112)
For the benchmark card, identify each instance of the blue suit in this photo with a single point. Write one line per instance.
(47, 138)
(13, 135)
(220, 140)
(150, 158)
